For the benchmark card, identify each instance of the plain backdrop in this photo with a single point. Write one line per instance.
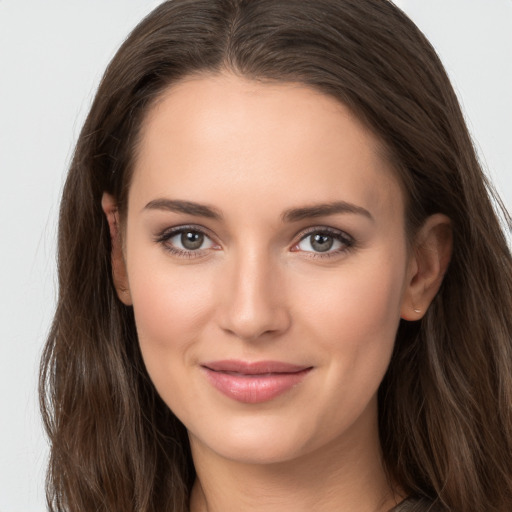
(52, 55)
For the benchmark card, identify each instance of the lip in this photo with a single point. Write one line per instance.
(253, 382)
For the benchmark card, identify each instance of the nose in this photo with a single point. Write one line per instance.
(254, 305)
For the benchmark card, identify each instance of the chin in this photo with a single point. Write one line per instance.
(256, 442)
(256, 451)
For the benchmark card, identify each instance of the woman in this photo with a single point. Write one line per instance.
(283, 284)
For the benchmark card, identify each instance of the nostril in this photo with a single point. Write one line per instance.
(256, 324)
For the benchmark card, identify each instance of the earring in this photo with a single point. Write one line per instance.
(417, 310)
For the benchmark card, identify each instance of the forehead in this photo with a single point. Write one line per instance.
(218, 137)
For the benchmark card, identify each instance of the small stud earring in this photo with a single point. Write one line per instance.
(417, 310)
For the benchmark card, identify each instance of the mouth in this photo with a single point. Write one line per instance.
(254, 382)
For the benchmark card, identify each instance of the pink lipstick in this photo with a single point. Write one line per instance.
(254, 382)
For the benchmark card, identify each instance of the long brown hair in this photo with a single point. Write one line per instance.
(445, 405)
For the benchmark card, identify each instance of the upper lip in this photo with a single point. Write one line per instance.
(253, 367)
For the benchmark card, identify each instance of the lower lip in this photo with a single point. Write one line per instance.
(254, 389)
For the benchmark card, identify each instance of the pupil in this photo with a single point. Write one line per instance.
(191, 240)
(321, 243)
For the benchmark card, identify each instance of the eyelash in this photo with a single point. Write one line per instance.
(348, 243)
(166, 235)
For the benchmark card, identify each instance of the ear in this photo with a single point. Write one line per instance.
(119, 274)
(428, 263)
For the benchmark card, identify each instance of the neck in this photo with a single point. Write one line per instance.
(345, 475)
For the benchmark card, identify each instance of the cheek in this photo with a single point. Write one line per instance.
(357, 298)
(373, 297)
(354, 317)
(171, 307)
(351, 322)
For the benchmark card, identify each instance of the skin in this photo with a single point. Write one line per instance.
(257, 289)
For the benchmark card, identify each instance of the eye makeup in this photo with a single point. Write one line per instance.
(193, 241)
(324, 242)
(188, 241)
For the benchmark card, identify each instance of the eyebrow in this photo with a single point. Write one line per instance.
(321, 210)
(291, 215)
(188, 207)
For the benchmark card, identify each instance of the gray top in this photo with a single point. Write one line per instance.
(416, 505)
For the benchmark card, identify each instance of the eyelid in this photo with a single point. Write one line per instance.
(327, 230)
(343, 237)
(166, 234)
(180, 228)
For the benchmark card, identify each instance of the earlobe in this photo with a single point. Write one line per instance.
(119, 274)
(428, 263)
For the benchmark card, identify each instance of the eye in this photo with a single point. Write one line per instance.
(186, 241)
(189, 240)
(324, 241)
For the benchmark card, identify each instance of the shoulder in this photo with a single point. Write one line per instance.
(418, 505)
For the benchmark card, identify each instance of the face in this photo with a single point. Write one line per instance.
(266, 262)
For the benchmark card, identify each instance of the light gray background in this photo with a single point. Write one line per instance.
(52, 55)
